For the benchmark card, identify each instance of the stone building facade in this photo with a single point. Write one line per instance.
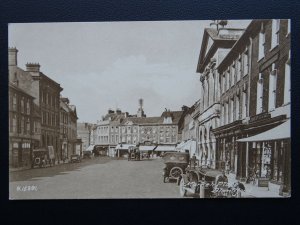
(106, 132)
(152, 130)
(216, 43)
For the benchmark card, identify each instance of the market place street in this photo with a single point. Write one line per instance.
(93, 178)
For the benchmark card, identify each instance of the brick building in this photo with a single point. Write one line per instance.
(256, 103)
(68, 129)
(24, 115)
(20, 127)
(45, 92)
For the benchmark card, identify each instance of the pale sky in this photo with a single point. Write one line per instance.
(102, 65)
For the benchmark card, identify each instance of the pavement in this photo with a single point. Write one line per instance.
(253, 191)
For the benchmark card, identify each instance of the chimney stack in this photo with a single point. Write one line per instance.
(33, 67)
(12, 56)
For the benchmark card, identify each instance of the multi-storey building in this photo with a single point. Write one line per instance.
(68, 128)
(216, 43)
(190, 130)
(20, 127)
(46, 94)
(24, 115)
(161, 133)
(106, 131)
(255, 130)
(84, 131)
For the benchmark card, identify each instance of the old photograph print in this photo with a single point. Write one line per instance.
(156, 109)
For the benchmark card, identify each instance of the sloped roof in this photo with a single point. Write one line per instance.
(143, 120)
(176, 115)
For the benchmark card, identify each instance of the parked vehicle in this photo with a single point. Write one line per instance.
(175, 165)
(134, 153)
(75, 158)
(41, 158)
(87, 154)
(205, 182)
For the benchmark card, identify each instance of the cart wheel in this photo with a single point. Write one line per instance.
(176, 172)
(182, 190)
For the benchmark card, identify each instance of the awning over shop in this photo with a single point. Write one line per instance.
(280, 132)
(90, 148)
(180, 145)
(189, 145)
(165, 148)
(124, 146)
(147, 148)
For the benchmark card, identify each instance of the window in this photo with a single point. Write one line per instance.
(28, 107)
(232, 73)
(277, 161)
(227, 80)
(231, 110)
(14, 123)
(245, 63)
(261, 45)
(245, 104)
(222, 115)
(22, 105)
(225, 113)
(49, 118)
(238, 71)
(287, 81)
(259, 96)
(28, 126)
(15, 102)
(112, 138)
(275, 33)
(237, 108)
(272, 88)
(223, 83)
(22, 125)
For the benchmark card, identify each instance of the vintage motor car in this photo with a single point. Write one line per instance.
(175, 165)
(40, 158)
(75, 158)
(205, 182)
(134, 153)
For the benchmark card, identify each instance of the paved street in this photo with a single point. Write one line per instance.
(96, 178)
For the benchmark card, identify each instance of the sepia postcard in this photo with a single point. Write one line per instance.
(150, 109)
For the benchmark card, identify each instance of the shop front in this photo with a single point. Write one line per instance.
(227, 153)
(20, 154)
(122, 150)
(269, 157)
